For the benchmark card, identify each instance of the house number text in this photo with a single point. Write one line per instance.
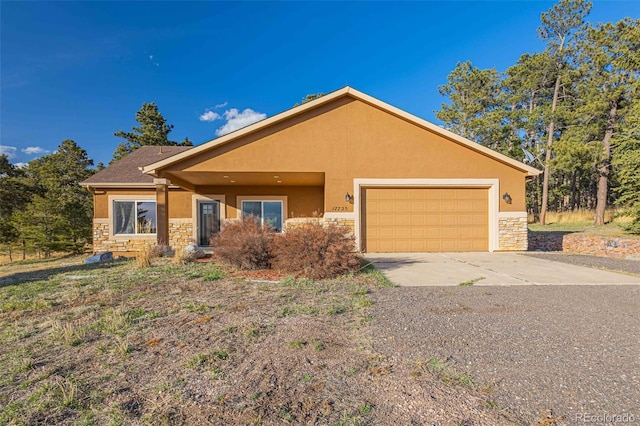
(339, 209)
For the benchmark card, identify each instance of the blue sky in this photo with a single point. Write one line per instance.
(81, 70)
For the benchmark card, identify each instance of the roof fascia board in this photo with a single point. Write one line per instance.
(119, 185)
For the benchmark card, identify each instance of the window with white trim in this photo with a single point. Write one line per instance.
(134, 217)
(267, 212)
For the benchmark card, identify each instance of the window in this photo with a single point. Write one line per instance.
(134, 217)
(267, 212)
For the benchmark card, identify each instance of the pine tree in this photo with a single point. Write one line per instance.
(59, 215)
(475, 108)
(153, 130)
(609, 69)
(627, 164)
(558, 23)
(14, 194)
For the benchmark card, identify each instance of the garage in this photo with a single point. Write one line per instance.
(425, 219)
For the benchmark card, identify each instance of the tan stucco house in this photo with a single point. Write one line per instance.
(403, 184)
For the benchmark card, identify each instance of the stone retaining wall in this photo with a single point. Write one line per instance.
(546, 241)
(621, 248)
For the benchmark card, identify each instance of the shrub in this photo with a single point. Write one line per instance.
(244, 244)
(315, 251)
(144, 256)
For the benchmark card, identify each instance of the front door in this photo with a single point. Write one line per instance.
(208, 221)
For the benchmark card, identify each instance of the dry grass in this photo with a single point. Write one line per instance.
(583, 221)
(145, 256)
(167, 344)
(582, 216)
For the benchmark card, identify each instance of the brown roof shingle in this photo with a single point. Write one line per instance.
(126, 170)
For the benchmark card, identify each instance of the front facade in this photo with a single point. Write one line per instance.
(401, 183)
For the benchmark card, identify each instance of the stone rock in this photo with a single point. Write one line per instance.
(100, 257)
(193, 252)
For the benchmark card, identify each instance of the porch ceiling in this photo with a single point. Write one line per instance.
(248, 178)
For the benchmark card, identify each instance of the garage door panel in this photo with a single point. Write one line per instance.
(418, 233)
(418, 219)
(418, 206)
(426, 219)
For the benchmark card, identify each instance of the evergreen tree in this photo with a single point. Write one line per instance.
(14, 194)
(558, 24)
(608, 59)
(627, 164)
(59, 215)
(153, 130)
(475, 108)
(310, 97)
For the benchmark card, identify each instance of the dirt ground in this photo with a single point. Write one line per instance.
(192, 344)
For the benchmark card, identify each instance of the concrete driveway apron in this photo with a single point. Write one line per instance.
(488, 269)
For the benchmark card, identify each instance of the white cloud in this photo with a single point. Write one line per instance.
(210, 116)
(34, 150)
(21, 165)
(9, 151)
(222, 105)
(237, 120)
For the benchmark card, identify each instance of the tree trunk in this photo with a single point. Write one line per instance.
(9, 252)
(574, 190)
(24, 249)
(535, 188)
(547, 155)
(605, 165)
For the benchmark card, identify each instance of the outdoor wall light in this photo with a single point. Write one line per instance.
(348, 198)
(507, 198)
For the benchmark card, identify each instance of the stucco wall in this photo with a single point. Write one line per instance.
(179, 200)
(350, 139)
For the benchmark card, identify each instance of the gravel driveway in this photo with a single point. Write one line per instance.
(570, 349)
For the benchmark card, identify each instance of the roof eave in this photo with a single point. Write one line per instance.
(141, 185)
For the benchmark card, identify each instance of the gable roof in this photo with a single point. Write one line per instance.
(151, 168)
(126, 171)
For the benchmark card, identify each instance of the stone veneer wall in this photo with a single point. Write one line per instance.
(349, 223)
(180, 235)
(293, 222)
(100, 235)
(513, 233)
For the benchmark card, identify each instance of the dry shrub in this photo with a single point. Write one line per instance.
(315, 251)
(244, 244)
(144, 256)
(180, 257)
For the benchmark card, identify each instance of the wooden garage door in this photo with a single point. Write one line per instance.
(426, 219)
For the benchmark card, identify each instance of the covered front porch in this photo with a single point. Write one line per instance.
(275, 198)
